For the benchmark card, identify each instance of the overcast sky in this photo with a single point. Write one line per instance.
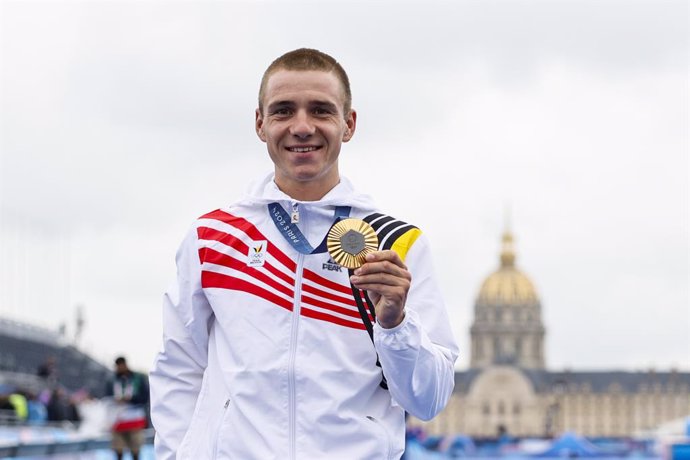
(122, 121)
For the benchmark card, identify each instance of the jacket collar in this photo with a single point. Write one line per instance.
(265, 190)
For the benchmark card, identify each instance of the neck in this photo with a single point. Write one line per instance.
(306, 191)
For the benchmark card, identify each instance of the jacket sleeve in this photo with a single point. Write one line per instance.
(418, 356)
(175, 380)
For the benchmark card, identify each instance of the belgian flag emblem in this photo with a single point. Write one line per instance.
(393, 234)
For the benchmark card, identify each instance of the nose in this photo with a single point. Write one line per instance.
(302, 125)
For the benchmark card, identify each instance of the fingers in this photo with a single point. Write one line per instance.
(383, 263)
(387, 255)
(385, 277)
(385, 274)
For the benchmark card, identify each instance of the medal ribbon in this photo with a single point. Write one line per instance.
(292, 233)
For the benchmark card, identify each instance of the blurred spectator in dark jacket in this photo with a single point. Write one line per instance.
(130, 392)
(48, 369)
(60, 408)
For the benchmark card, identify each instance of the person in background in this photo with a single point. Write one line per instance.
(48, 372)
(38, 413)
(272, 349)
(58, 405)
(48, 369)
(130, 392)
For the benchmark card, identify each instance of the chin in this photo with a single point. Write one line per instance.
(307, 176)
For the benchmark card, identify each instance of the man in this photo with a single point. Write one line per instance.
(272, 350)
(130, 392)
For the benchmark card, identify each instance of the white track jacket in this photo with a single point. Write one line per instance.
(266, 355)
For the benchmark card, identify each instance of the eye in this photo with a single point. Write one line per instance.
(321, 111)
(283, 111)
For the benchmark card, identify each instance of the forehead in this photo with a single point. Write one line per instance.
(310, 85)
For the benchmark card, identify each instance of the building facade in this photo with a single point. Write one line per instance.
(25, 347)
(508, 388)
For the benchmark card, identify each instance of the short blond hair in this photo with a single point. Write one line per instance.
(303, 59)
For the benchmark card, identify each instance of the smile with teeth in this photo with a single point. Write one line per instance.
(302, 149)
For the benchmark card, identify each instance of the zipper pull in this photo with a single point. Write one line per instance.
(294, 217)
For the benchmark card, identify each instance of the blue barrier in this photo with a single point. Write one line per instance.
(18, 449)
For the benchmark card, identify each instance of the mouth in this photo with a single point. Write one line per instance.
(303, 148)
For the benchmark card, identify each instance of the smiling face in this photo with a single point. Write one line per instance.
(304, 125)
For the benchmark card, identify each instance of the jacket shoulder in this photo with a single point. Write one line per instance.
(218, 214)
(229, 216)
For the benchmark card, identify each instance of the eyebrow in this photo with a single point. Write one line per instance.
(287, 103)
(280, 104)
(324, 104)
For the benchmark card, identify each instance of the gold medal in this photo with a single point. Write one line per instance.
(350, 240)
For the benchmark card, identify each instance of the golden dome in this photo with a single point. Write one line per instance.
(507, 285)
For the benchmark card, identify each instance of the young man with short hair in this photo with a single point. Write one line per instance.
(273, 348)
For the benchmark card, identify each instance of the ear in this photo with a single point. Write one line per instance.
(351, 122)
(259, 125)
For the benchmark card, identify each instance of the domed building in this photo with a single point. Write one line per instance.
(507, 326)
(508, 388)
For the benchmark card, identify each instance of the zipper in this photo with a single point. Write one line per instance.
(296, 310)
(389, 446)
(292, 404)
(220, 425)
(294, 215)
